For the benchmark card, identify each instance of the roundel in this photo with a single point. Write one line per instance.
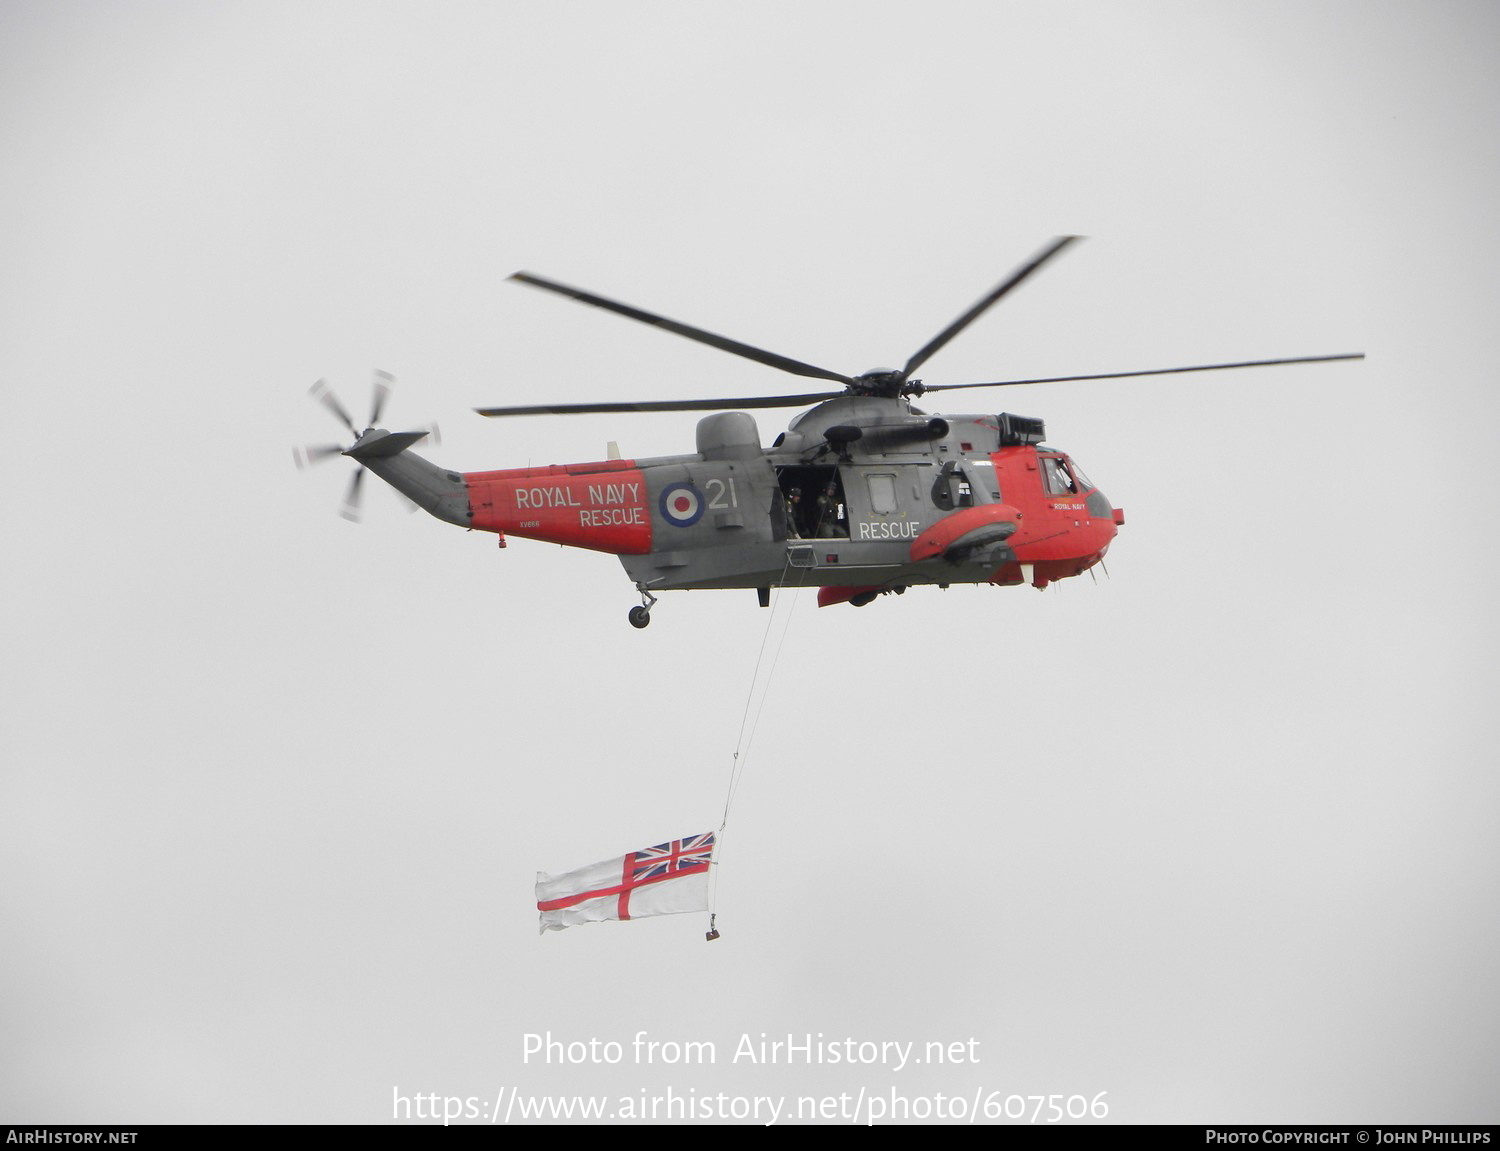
(681, 504)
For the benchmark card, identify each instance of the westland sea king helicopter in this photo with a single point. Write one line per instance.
(862, 495)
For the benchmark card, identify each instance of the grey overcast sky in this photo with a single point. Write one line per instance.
(1215, 835)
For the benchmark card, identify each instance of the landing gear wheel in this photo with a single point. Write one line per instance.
(641, 616)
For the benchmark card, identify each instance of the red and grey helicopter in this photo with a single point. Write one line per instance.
(862, 495)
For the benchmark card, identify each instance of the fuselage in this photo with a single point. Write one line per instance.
(861, 494)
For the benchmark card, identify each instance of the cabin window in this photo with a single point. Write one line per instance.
(883, 494)
(988, 478)
(952, 489)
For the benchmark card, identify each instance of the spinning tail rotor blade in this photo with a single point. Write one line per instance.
(321, 392)
(315, 454)
(380, 390)
(351, 509)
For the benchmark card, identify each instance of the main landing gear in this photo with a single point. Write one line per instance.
(641, 616)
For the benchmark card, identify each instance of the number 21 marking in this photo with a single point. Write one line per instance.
(717, 493)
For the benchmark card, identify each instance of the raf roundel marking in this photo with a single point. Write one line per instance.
(681, 504)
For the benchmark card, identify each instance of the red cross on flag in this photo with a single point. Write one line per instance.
(666, 879)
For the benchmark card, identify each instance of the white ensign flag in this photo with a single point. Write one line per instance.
(662, 880)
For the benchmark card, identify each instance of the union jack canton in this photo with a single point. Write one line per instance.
(677, 857)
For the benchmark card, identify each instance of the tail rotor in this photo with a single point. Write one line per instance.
(305, 456)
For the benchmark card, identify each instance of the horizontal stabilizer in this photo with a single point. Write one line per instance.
(375, 444)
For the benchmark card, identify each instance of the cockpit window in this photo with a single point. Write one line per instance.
(1055, 477)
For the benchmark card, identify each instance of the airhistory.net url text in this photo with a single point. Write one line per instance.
(869, 1108)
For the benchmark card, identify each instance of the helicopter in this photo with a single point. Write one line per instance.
(863, 495)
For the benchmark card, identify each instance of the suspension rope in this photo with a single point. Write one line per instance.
(748, 723)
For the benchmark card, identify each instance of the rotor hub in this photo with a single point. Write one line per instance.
(878, 382)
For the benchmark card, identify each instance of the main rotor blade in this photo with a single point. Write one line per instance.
(723, 343)
(1150, 372)
(665, 405)
(983, 305)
